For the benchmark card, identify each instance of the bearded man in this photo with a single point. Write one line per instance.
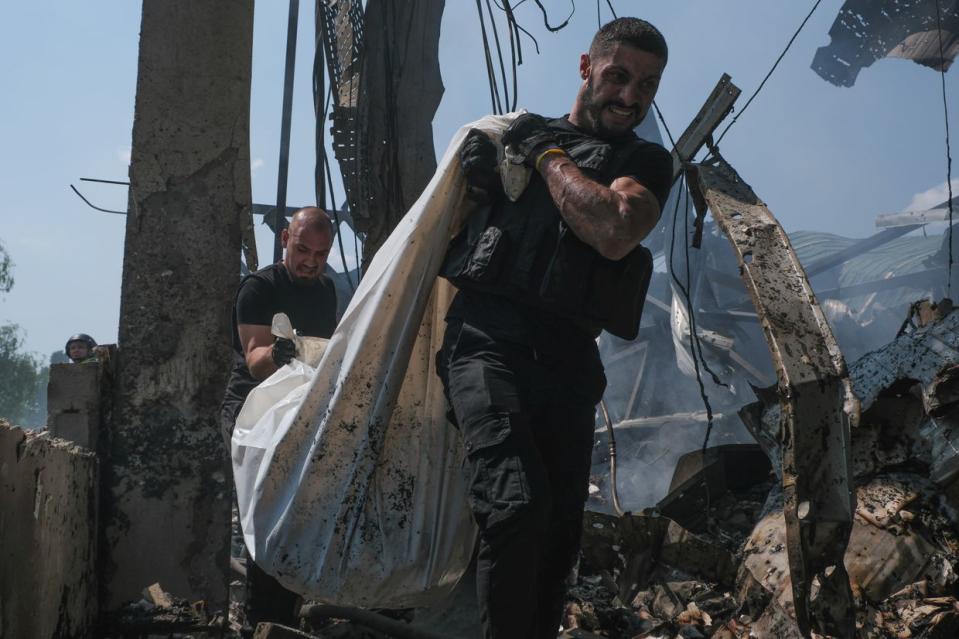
(538, 279)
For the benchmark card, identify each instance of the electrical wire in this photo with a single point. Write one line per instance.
(339, 227)
(546, 16)
(945, 110)
(609, 3)
(769, 74)
(490, 73)
(599, 15)
(693, 337)
(515, 50)
(504, 92)
(662, 120)
(93, 206)
(499, 53)
(319, 107)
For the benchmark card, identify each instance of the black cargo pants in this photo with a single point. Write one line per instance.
(526, 418)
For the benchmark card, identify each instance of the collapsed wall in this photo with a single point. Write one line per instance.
(48, 507)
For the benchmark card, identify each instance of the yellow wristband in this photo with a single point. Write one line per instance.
(549, 151)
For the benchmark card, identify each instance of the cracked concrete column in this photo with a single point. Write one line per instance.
(166, 495)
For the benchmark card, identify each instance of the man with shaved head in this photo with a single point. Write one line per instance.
(297, 287)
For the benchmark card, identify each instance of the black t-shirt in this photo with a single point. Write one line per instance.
(646, 162)
(311, 309)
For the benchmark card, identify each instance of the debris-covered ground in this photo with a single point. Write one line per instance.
(717, 566)
(710, 560)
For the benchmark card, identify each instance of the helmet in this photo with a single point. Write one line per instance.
(80, 337)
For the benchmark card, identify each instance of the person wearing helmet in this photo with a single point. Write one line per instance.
(79, 349)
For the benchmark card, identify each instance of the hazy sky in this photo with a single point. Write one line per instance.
(823, 158)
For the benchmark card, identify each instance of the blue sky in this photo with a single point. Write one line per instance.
(823, 157)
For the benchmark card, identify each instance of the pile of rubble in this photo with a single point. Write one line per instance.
(711, 559)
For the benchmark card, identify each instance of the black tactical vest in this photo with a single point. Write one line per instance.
(524, 249)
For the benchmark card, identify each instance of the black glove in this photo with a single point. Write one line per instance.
(529, 136)
(284, 350)
(478, 157)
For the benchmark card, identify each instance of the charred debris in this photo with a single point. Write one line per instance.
(824, 500)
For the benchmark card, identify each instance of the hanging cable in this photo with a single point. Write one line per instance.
(490, 73)
(546, 16)
(662, 120)
(499, 53)
(339, 227)
(689, 287)
(694, 331)
(320, 108)
(515, 50)
(768, 75)
(945, 110)
(693, 337)
(279, 222)
(93, 206)
(609, 3)
(599, 16)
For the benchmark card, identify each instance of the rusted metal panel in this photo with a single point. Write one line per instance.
(714, 110)
(867, 30)
(818, 404)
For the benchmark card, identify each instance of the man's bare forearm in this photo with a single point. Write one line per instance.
(613, 220)
(260, 362)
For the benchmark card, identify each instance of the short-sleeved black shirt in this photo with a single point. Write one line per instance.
(311, 309)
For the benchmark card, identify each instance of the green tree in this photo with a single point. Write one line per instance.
(6, 271)
(22, 375)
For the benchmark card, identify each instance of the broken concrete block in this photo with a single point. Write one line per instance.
(157, 596)
(73, 402)
(48, 533)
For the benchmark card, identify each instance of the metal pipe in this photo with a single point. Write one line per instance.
(613, 492)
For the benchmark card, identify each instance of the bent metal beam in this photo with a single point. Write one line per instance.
(818, 406)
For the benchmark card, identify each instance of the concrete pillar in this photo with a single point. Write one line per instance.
(166, 493)
(48, 536)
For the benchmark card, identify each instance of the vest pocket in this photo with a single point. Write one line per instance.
(488, 256)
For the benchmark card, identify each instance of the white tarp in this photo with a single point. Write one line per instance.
(349, 477)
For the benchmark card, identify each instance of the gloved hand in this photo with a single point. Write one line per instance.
(529, 137)
(284, 350)
(478, 157)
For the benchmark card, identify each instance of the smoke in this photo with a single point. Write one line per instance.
(932, 197)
